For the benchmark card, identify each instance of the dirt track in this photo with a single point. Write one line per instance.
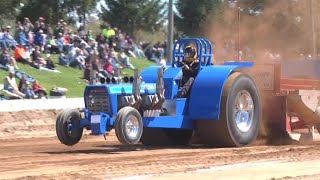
(41, 156)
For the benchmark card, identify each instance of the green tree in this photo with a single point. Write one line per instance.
(52, 10)
(9, 9)
(191, 14)
(134, 15)
(82, 8)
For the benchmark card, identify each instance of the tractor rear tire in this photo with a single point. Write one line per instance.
(165, 137)
(228, 131)
(67, 134)
(128, 125)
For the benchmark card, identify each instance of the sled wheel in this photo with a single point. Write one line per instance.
(165, 137)
(68, 127)
(240, 115)
(128, 125)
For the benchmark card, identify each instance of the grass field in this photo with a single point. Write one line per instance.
(69, 78)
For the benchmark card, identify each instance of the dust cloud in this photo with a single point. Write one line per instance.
(283, 27)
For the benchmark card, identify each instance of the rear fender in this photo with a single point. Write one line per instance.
(205, 97)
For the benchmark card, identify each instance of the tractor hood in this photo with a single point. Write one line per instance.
(123, 89)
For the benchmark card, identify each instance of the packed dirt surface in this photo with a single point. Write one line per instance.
(30, 150)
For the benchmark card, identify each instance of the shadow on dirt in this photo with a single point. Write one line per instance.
(118, 149)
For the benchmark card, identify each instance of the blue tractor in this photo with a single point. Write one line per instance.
(223, 105)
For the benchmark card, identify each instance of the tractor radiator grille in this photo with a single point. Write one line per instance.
(98, 102)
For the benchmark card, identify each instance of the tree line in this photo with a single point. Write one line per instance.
(129, 15)
(285, 18)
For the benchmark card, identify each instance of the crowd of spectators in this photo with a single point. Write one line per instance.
(107, 53)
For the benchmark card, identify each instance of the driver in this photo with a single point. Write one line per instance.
(190, 69)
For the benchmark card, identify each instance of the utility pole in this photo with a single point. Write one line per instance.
(170, 32)
(313, 29)
(239, 34)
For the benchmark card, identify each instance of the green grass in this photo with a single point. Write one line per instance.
(69, 78)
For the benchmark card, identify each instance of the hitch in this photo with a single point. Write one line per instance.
(159, 98)
(136, 100)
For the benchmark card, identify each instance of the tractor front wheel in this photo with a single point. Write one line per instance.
(128, 125)
(68, 128)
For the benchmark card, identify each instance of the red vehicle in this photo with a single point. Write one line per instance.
(290, 96)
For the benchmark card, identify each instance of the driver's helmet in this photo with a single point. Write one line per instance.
(190, 53)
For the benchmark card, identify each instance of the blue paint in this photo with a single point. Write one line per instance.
(171, 78)
(239, 63)
(126, 89)
(204, 101)
(100, 128)
(207, 90)
(204, 47)
(149, 74)
(168, 122)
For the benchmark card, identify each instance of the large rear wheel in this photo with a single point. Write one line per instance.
(240, 115)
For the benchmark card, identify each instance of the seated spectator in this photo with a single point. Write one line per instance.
(124, 60)
(26, 89)
(64, 60)
(50, 63)
(52, 46)
(115, 64)
(6, 59)
(10, 84)
(61, 42)
(8, 40)
(78, 60)
(37, 57)
(22, 37)
(39, 90)
(107, 70)
(156, 56)
(39, 39)
(21, 54)
(137, 50)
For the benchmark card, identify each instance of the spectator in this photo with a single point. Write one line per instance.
(50, 63)
(27, 25)
(115, 64)
(64, 59)
(52, 46)
(39, 90)
(61, 42)
(137, 50)
(39, 39)
(26, 89)
(78, 60)
(6, 59)
(21, 54)
(37, 57)
(10, 85)
(125, 60)
(108, 68)
(22, 37)
(7, 39)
